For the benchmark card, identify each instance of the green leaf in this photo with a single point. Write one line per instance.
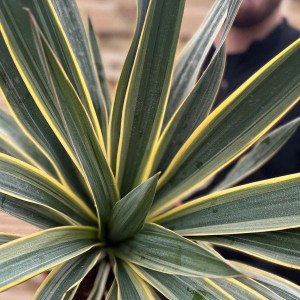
(27, 183)
(130, 285)
(282, 287)
(101, 282)
(147, 92)
(8, 237)
(260, 288)
(34, 254)
(255, 207)
(113, 292)
(191, 60)
(238, 290)
(129, 213)
(157, 248)
(71, 293)
(259, 155)
(118, 103)
(190, 114)
(66, 276)
(233, 127)
(97, 60)
(55, 18)
(179, 287)
(30, 120)
(81, 140)
(280, 247)
(14, 142)
(35, 214)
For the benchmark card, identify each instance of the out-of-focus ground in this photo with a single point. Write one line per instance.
(114, 22)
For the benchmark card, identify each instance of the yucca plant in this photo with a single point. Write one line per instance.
(105, 180)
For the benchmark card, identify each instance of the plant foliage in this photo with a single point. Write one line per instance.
(104, 178)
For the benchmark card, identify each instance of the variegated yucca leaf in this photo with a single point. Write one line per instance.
(100, 176)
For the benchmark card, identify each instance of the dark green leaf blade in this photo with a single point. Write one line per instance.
(147, 92)
(233, 127)
(259, 155)
(97, 59)
(118, 103)
(130, 285)
(34, 254)
(179, 287)
(190, 113)
(157, 248)
(280, 247)
(255, 207)
(14, 142)
(129, 213)
(25, 182)
(32, 213)
(64, 277)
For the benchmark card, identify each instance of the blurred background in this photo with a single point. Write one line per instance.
(114, 22)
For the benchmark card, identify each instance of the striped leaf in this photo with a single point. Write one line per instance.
(238, 290)
(259, 155)
(282, 287)
(147, 92)
(180, 287)
(81, 140)
(97, 60)
(159, 249)
(27, 183)
(267, 205)
(30, 120)
(113, 292)
(66, 276)
(129, 214)
(28, 256)
(32, 213)
(101, 282)
(130, 285)
(7, 237)
(16, 144)
(118, 103)
(280, 247)
(233, 127)
(193, 56)
(190, 114)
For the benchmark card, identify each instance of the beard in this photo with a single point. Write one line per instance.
(253, 12)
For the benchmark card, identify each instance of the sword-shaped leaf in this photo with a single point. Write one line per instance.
(190, 113)
(267, 205)
(233, 127)
(147, 92)
(97, 60)
(29, 118)
(129, 213)
(28, 256)
(282, 287)
(193, 56)
(130, 285)
(25, 182)
(280, 247)
(180, 287)
(66, 276)
(160, 249)
(118, 103)
(239, 290)
(259, 155)
(33, 213)
(8, 237)
(17, 144)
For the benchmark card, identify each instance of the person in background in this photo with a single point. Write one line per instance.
(259, 33)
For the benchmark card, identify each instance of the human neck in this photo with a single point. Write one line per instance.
(240, 39)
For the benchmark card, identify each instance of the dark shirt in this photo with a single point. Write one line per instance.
(239, 67)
